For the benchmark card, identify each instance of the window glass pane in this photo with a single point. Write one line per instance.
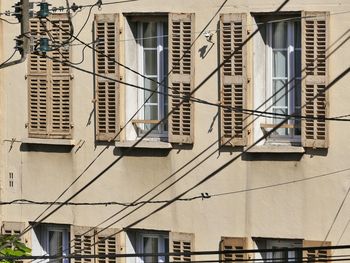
(279, 35)
(151, 86)
(297, 34)
(297, 92)
(280, 66)
(166, 245)
(150, 245)
(280, 93)
(151, 112)
(150, 62)
(55, 244)
(150, 35)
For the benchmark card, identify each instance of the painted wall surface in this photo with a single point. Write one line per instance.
(273, 195)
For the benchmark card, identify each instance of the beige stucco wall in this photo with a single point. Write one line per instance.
(302, 210)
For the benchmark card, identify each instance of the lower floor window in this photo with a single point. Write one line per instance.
(51, 240)
(151, 243)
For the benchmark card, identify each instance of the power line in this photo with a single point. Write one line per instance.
(7, 60)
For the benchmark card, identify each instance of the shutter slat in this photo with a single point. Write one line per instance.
(107, 92)
(83, 240)
(233, 78)
(181, 61)
(315, 79)
(107, 244)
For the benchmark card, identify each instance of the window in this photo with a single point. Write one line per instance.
(288, 75)
(52, 240)
(153, 64)
(153, 242)
(159, 47)
(283, 80)
(49, 82)
(283, 256)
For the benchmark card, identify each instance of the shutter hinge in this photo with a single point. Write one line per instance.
(26, 125)
(248, 32)
(71, 125)
(120, 31)
(25, 76)
(120, 77)
(93, 100)
(71, 76)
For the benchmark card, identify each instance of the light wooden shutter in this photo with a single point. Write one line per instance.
(181, 64)
(232, 244)
(82, 243)
(315, 79)
(106, 29)
(319, 255)
(13, 228)
(181, 243)
(233, 34)
(107, 244)
(49, 82)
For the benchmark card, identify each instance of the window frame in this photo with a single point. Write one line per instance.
(162, 65)
(290, 79)
(162, 237)
(283, 243)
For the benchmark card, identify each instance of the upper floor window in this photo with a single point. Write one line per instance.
(158, 67)
(288, 75)
(283, 78)
(153, 64)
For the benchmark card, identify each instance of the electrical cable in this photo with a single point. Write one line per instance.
(9, 22)
(87, 19)
(7, 60)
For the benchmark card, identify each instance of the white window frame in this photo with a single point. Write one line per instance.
(278, 243)
(161, 131)
(292, 108)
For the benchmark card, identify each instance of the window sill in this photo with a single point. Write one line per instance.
(63, 142)
(145, 144)
(276, 149)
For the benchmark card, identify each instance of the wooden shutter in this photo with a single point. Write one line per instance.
(181, 63)
(106, 244)
(233, 55)
(181, 243)
(83, 243)
(49, 82)
(315, 79)
(232, 244)
(319, 255)
(106, 29)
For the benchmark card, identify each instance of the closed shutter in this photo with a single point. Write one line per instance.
(316, 255)
(13, 229)
(181, 243)
(106, 29)
(82, 243)
(49, 82)
(233, 55)
(231, 244)
(181, 63)
(315, 79)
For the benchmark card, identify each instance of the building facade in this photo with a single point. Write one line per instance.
(176, 126)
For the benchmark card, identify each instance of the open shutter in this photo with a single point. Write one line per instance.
(319, 255)
(181, 243)
(82, 243)
(181, 63)
(232, 244)
(49, 82)
(233, 55)
(106, 244)
(106, 29)
(315, 79)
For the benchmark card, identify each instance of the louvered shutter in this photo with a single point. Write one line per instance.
(181, 63)
(232, 244)
(318, 255)
(106, 29)
(49, 82)
(181, 243)
(233, 56)
(13, 229)
(315, 79)
(82, 243)
(106, 243)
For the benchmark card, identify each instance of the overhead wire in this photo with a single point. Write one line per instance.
(7, 60)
